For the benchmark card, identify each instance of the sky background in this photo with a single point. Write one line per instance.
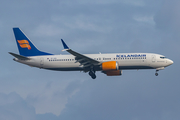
(90, 26)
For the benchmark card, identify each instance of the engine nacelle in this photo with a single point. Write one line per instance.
(113, 73)
(110, 65)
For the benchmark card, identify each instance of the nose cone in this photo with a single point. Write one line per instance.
(170, 62)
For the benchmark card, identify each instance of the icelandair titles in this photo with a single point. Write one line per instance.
(132, 55)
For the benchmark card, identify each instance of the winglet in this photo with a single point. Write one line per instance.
(64, 45)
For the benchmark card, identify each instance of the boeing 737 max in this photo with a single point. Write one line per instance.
(110, 64)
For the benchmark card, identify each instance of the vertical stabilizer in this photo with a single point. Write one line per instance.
(25, 46)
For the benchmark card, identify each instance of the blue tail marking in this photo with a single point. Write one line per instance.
(25, 46)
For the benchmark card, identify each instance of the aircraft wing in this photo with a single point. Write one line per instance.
(82, 59)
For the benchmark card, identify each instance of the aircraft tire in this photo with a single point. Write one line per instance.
(93, 76)
(156, 74)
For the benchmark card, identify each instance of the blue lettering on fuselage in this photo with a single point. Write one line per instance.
(132, 55)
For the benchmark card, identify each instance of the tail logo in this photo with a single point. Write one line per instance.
(24, 44)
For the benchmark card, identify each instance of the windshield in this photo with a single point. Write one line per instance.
(162, 57)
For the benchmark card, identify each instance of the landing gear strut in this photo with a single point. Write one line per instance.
(156, 72)
(92, 74)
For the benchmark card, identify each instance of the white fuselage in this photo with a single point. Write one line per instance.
(124, 60)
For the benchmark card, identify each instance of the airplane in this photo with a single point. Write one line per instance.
(110, 64)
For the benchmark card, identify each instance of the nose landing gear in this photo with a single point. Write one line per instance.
(156, 72)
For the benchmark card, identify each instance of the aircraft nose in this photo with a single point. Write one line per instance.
(170, 62)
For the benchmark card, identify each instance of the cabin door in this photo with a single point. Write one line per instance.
(41, 62)
(153, 58)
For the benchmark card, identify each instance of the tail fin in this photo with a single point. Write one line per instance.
(25, 46)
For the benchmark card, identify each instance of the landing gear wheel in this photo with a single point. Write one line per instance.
(156, 74)
(93, 76)
(90, 73)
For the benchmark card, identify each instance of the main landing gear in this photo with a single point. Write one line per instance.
(156, 72)
(92, 73)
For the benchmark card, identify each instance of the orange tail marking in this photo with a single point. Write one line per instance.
(24, 44)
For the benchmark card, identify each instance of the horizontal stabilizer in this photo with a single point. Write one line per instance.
(19, 56)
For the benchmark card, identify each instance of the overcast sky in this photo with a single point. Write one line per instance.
(90, 26)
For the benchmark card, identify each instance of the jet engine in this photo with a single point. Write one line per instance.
(110, 65)
(111, 68)
(113, 73)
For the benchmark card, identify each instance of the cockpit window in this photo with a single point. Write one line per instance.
(162, 57)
